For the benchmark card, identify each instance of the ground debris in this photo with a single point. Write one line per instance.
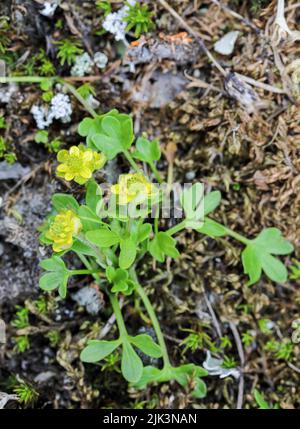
(179, 48)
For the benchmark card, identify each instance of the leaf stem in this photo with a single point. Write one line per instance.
(182, 225)
(154, 320)
(155, 172)
(131, 161)
(237, 236)
(179, 227)
(76, 94)
(119, 318)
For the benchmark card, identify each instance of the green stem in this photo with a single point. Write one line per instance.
(87, 263)
(113, 299)
(25, 79)
(154, 320)
(237, 236)
(76, 94)
(155, 172)
(100, 256)
(179, 227)
(38, 79)
(182, 225)
(131, 161)
(117, 312)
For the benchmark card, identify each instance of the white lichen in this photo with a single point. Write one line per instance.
(41, 116)
(83, 65)
(115, 24)
(100, 60)
(60, 109)
(49, 8)
(5, 398)
(214, 367)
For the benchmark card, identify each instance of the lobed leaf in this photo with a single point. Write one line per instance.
(98, 350)
(103, 237)
(146, 344)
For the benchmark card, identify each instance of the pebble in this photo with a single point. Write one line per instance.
(190, 175)
(225, 45)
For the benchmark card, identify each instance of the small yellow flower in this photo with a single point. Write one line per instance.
(65, 225)
(133, 186)
(78, 163)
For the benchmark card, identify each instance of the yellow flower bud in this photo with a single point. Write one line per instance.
(65, 225)
(78, 163)
(133, 186)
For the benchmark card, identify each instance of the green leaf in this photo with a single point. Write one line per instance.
(127, 253)
(103, 237)
(41, 137)
(181, 374)
(55, 263)
(251, 264)
(88, 128)
(261, 402)
(93, 195)
(90, 221)
(147, 151)
(147, 345)
(58, 276)
(167, 244)
(155, 250)
(120, 280)
(150, 375)
(116, 135)
(200, 389)
(55, 280)
(46, 84)
(212, 228)
(64, 201)
(274, 268)
(163, 245)
(271, 240)
(50, 281)
(258, 256)
(144, 232)
(98, 350)
(131, 365)
(62, 288)
(192, 201)
(211, 202)
(83, 248)
(91, 126)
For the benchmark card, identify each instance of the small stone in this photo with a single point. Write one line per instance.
(190, 175)
(225, 45)
(89, 298)
(43, 377)
(12, 171)
(6, 92)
